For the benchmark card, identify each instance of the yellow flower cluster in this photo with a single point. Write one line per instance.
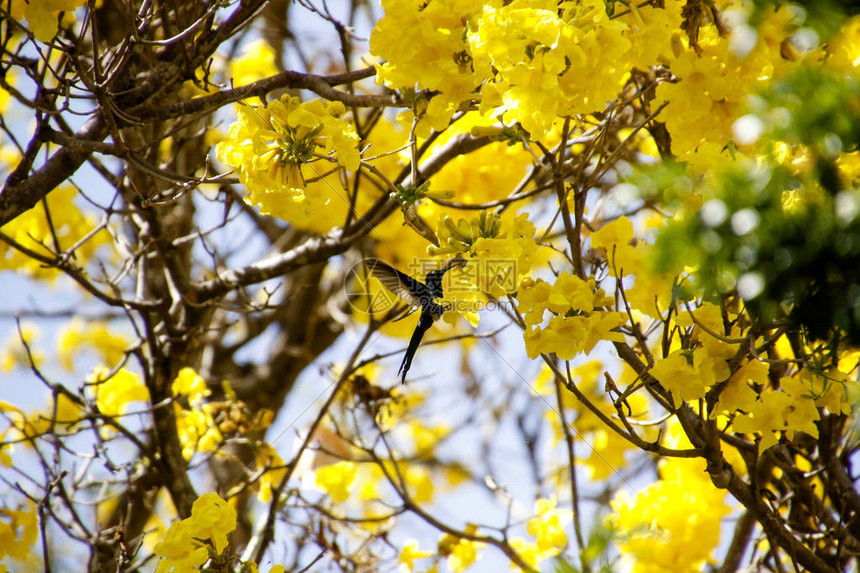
(18, 532)
(651, 292)
(529, 61)
(276, 149)
(61, 414)
(197, 429)
(256, 62)
(532, 62)
(485, 174)
(110, 346)
(544, 59)
(189, 543)
(42, 16)
(717, 77)
(500, 250)
(461, 553)
(548, 528)
(674, 523)
(424, 46)
(460, 236)
(577, 324)
(336, 480)
(689, 372)
(115, 393)
(410, 552)
(792, 408)
(33, 230)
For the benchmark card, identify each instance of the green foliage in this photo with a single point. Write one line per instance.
(783, 229)
(818, 109)
(823, 16)
(408, 194)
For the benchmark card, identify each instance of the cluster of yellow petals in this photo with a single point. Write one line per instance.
(651, 292)
(423, 45)
(462, 553)
(61, 414)
(197, 429)
(115, 391)
(792, 408)
(336, 480)
(533, 62)
(46, 236)
(42, 16)
(528, 61)
(673, 524)
(276, 149)
(189, 543)
(577, 323)
(96, 335)
(548, 528)
(19, 529)
(689, 373)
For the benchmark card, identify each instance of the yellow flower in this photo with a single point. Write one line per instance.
(179, 549)
(535, 56)
(114, 394)
(409, 554)
(256, 62)
(32, 230)
(567, 336)
(529, 552)
(78, 333)
(461, 553)
(737, 393)
(336, 480)
(186, 545)
(615, 239)
(426, 437)
(419, 482)
(214, 519)
(548, 527)
(680, 373)
(790, 409)
(42, 16)
(423, 45)
(485, 174)
(275, 471)
(191, 385)
(653, 32)
(274, 149)
(197, 430)
(673, 524)
(18, 532)
(716, 83)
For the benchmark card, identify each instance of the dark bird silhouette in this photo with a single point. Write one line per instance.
(418, 295)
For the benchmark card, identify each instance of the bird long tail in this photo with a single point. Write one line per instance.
(424, 324)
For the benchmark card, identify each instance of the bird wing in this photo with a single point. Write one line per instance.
(401, 284)
(424, 324)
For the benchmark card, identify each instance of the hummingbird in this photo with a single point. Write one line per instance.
(416, 294)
